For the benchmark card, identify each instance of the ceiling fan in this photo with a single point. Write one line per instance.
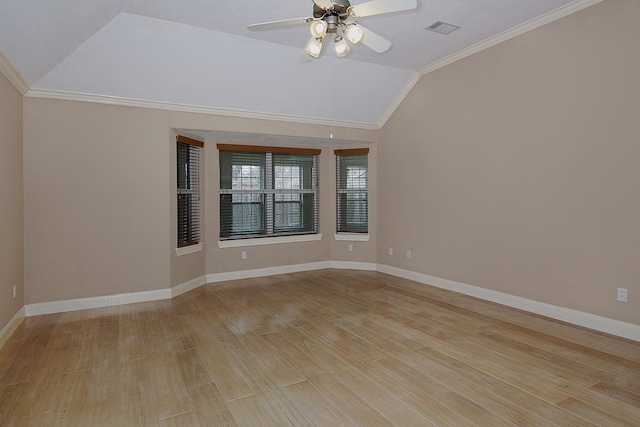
(333, 17)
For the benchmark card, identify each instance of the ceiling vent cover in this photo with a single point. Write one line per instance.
(442, 27)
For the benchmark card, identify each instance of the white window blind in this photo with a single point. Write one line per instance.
(352, 190)
(267, 191)
(188, 190)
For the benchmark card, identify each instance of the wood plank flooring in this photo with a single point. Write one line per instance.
(322, 348)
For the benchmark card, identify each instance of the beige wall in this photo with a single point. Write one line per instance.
(96, 200)
(11, 202)
(100, 200)
(521, 166)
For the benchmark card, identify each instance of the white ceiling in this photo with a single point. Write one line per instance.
(199, 53)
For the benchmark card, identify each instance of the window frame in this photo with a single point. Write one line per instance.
(189, 231)
(273, 158)
(343, 228)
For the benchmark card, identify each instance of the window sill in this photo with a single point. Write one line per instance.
(352, 237)
(189, 249)
(269, 240)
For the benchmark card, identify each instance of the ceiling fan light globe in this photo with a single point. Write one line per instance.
(341, 46)
(318, 28)
(314, 47)
(354, 33)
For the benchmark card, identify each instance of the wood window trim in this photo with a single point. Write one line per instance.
(265, 149)
(190, 141)
(351, 151)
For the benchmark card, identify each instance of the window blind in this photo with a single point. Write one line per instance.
(267, 191)
(188, 190)
(352, 191)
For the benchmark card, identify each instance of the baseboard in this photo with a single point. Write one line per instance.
(268, 271)
(284, 269)
(112, 300)
(95, 302)
(188, 286)
(348, 265)
(603, 324)
(575, 317)
(63, 306)
(10, 327)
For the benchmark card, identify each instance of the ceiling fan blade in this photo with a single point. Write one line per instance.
(278, 24)
(324, 4)
(374, 41)
(377, 7)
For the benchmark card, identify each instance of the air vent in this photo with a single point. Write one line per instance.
(442, 27)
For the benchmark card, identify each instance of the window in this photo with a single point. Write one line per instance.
(188, 190)
(352, 192)
(267, 191)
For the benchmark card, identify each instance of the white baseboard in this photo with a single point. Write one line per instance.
(587, 320)
(95, 302)
(10, 327)
(268, 271)
(284, 269)
(188, 286)
(160, 294)
(348, 265)
(112, 300)
(580, 318)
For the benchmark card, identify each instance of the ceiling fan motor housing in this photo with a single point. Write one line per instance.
(340, 9)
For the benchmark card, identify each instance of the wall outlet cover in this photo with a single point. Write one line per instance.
(623, 294)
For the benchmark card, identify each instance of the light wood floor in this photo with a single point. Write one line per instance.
(323, 348)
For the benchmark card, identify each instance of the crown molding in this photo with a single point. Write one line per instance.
(12, 75)
(185, 108)
(561, 12)
(398, 99)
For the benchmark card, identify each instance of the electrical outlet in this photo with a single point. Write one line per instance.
(623, 294)
(350, 247)
(244, 254)
(14, 291)
(390, 251)
(408, 254)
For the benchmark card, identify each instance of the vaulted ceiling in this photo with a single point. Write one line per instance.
(198, 55)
